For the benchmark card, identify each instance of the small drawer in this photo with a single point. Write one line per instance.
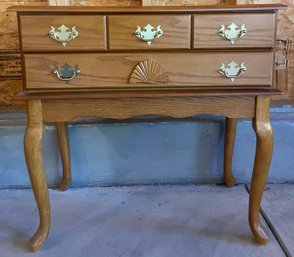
(149, 32)
(63, 33)
(148, 70)
(234, 30)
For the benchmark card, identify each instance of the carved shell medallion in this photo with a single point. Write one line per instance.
(149, 71)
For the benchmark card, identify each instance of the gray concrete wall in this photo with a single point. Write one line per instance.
(167, 152)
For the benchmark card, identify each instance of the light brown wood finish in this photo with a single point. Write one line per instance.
(33, 154)
(181, 2)
(64, 148)
(149, 71)
(113, 70)
(263, 156)
(232, 2)
(65, 94)
(176, 31)
(62, 133)
(152, 9)
(191, 85)
(260, 30)
(230, 134)
(90, 28)
(177, 107)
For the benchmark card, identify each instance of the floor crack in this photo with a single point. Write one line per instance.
(272, 229)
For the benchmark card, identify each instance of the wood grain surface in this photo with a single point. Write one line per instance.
(102, 2)
(8, 22)
(260, 30)
(90, 28)
(64, 149)
(8, 90)
(131, 107)
(9, 34)
(230, 134)
(9, 41)
(63, 94)
(263, 155)
(113, 70)
(156, 9)
(34, 161)
(176, 70)
(176, 31)
(181, 2)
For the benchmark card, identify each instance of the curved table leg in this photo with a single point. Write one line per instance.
(62, 135)
(34, 161)
(231, 125)
(263, 156)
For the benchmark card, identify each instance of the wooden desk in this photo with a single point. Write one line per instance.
(125, 62)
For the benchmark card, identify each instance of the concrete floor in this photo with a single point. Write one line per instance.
(147, 221)
(278, 205)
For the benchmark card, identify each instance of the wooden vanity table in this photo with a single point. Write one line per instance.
(125, 62)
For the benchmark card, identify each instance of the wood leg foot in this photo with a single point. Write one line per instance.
(62, 134)
(33, 155)
(263, 156)
(64, 184)
(231, 125)
(39, 238)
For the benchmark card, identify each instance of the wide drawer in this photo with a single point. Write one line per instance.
(156, 70)
(149, 31)
(234, 30)
(63, 33)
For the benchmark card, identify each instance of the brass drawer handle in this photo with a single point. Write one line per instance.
(233, 70)
(149, 33)
(66, 72)
(62, 35)
(232, 32)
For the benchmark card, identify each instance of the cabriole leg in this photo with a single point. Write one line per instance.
(264, 147)
(64, 148)
(34, 161)
(231, 125)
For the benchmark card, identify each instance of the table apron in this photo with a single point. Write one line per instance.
(177, 107)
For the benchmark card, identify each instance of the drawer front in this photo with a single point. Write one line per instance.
(149, 32)
(154, 70)
(63, 33)
(226, 30)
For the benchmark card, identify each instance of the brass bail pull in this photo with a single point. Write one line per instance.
(233, 70)
(232, 32)
(148, 33)
(63, 35)
(66, 73)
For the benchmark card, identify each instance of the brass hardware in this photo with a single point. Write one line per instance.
(62, 35)
(232, 32)
(148, 34)
(67, 72)
(233, 70)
